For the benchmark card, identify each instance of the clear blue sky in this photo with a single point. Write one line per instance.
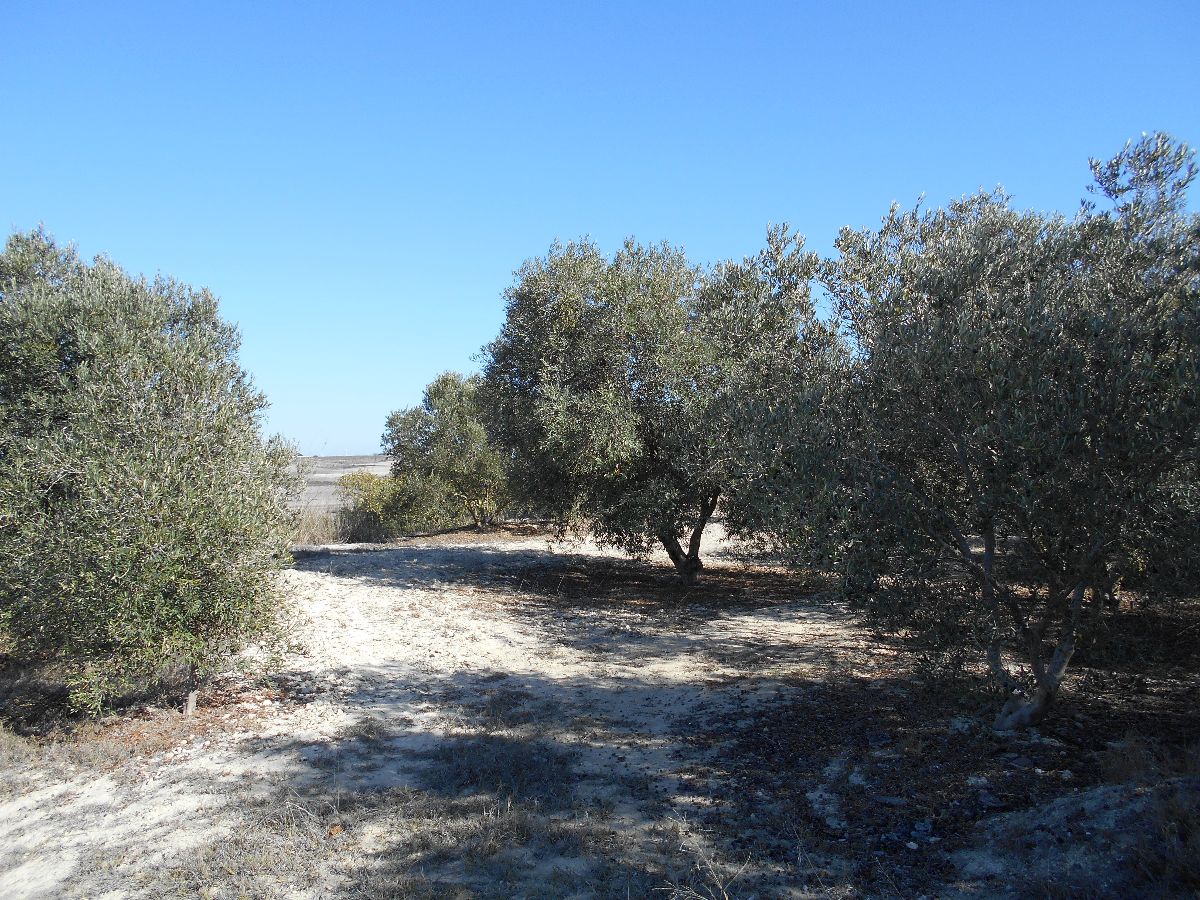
(357, 182)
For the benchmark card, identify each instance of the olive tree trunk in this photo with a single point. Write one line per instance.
(687, 563)
(1061, 612)
(1027, 707)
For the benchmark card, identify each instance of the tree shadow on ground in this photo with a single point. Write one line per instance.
(423, 566)
(800, 768)
(602, 582)
(562, 576)
(516, 791)
(864, 784)
(620, 608)
(869, 778)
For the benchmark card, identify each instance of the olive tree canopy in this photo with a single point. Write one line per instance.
(442, 456)
(142, 513)
(1025, 389)
(614, 382)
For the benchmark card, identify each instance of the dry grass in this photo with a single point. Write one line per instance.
(403, 842)
(492, 813)
(89, 747)
(42, 737)
(1166, 849)
(16, 753)
(275, 848)
(318, 527)
(514, 769)
(1168, 855)
(707, 879)
(1140, 759)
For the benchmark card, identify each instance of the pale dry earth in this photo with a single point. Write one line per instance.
(457, 719)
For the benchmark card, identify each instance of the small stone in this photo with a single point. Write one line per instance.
(911, 846)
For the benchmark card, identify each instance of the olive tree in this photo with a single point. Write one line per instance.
(1025, 389)
(614, 382)
(141, 513)
(442, 456)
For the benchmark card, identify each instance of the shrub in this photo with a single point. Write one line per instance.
(141, 513)
(381, 507)
(447, 469)
(369, 513)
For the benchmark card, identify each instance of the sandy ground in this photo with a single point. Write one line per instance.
(462, 718)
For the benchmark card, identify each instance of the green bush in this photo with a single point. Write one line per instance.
(382, 507)
(371, 502)
(441, 451)
(141, 513)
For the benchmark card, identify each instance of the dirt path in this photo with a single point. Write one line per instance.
(496, 719)
(444, 724)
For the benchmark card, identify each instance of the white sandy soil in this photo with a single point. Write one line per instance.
(444, 728)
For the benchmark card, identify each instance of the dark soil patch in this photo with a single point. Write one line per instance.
(867, 781)
(884, 778)
(605, 581)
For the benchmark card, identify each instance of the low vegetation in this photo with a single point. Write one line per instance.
(445, 472)
(446, 469)
(377, 509)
